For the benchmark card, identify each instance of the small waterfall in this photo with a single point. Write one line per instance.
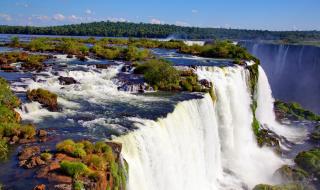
(201, 145)
(265, 112)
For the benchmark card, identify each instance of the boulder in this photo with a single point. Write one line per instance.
(42, 133)
(32, 162)
(102, 66)
(82, 57)
(44, 97)
(57, 178)
(28, 152)
(66, 80)
(291, 174)
(69, 56)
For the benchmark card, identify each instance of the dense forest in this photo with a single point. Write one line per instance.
(125, 29)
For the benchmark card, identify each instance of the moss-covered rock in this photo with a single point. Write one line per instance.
(268, 138)
(309, 161)
(44, 97)
(295, 111)
(290, 186)
(292, 174)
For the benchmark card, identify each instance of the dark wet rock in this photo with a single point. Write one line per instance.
(206, 83)
(315, 135)
(67, 80)
(126, 68)
(63, 187)
(82, 57)
(69, 56)
(101, 183)
(40, 187)
(102, 66)
(28, 152)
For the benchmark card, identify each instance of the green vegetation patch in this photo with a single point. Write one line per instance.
(309, 161)
(295, 111)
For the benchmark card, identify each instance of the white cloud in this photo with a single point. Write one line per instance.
(74, 18)
(58, 17)
(156, 21)
(88, 12)
(181, 23)
(5, 17)
(194, 11)
(115, 19)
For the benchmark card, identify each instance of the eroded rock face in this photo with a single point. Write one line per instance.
(54, 177)
(67, 80)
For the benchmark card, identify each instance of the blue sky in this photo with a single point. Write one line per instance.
(248, 14)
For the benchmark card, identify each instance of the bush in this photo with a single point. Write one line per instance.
(78, 185)
(71, 148)
(296, 111)
(46, 156)
(44, 97)
(28, 131)
(95, 161)
(101, 147)
(73, 169)
(88, 147)
(7, 97)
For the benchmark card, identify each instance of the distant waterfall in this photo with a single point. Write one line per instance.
(292, 70)
(201, 145)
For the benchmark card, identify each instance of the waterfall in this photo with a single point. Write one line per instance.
(202, 144)
(265, 112)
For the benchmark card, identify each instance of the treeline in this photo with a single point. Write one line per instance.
(143, 30)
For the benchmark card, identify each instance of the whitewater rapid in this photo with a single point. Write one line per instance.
(202, 144)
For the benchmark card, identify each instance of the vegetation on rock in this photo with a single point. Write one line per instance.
(44, 97)
(309, 161)
(290, 186)
(29, 61)
(295, 111)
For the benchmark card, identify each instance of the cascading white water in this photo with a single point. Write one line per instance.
(265, 112)
(201, 145)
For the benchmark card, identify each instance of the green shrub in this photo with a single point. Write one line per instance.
(73, 169)
(7, 97)
(28, 131)
(73, 149)
(46, 156)
(78, 185)
(95, 161)
(101, 147)
(4, 149)
(88, 147)
(296, 111)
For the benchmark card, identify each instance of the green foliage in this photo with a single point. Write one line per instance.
(78, 185)
(73, 149)
(40, 44)
(309, 161)
(14, 41)
(44, 97)
(101, 147)
(143, 30)
(73, 169)
(46, 156)
(296, 111)
(4, 149)
(292, 174)
(95, 161)
(315, 135)
(160, 73)
(7, 98)
(27, 131)
(218, 49)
